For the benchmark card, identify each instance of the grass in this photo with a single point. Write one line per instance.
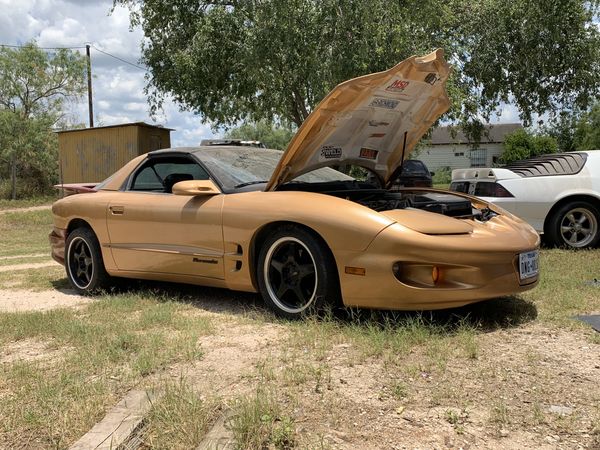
(25, 232)
(259, 422)
(103, 350)
(26, 203)
(180, 418)
(566, 287)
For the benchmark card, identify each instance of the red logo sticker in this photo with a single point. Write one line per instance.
(397, 86)
(368, 153)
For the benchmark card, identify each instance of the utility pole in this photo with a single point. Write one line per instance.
(89, 80)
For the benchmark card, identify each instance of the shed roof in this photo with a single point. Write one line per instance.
(491, 134)
(131, 124)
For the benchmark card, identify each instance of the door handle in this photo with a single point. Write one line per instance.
(117, 210)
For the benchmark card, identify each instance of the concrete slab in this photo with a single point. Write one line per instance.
(219, 437)
(119, 425)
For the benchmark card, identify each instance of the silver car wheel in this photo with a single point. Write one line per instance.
(578, 227)
(290, 275)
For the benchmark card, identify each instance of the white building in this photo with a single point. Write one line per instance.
(443, 150)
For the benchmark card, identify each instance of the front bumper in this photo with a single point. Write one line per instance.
(57, 238)
(472, 267)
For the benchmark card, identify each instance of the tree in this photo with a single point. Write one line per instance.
(277, 137)
(586, 133)
(232, 60)
(522, 144)
(33, 88)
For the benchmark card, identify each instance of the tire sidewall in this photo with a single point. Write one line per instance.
(327, 289)
(559, 215)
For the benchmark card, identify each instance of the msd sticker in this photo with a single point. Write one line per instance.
(331, 152)
(368, 153)
(398, 86)
(385, 103)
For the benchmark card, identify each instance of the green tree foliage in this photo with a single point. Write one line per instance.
(272, 136)
(233, 60)
(33, 88)
(586, 135)
(523, 144)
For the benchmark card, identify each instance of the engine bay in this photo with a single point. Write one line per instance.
(378, 199)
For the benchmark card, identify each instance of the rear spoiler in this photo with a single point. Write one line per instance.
(487, 174)
(76, 188)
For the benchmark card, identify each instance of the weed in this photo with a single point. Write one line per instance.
(180, 418)
(258, 422)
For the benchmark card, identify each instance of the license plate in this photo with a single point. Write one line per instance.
(528, 264)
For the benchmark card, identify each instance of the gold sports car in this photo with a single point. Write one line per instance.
(289, 226)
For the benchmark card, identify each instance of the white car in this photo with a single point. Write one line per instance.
(559, 194)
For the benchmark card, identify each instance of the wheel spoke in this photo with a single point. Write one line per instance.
(277, 265)
(305, 270)
(299, 294)
(565, 229)
(573, 238)
(571, 218)
(283, 288)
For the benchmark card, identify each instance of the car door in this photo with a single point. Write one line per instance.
(152, 230)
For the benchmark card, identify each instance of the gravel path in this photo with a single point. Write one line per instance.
(27, 266)
(24, 300)
(30, 208)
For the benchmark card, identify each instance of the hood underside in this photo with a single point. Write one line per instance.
(373, 121)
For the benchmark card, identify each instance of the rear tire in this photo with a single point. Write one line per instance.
(575, 225)
(296, 273)
(84, 264)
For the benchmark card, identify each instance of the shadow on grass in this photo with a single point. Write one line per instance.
(489, 315)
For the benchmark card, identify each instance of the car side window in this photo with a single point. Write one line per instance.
(160, 174)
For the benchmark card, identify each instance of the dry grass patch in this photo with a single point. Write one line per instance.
(113, 344)
(25, 232)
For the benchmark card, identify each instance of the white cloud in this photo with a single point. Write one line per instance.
(118, 88)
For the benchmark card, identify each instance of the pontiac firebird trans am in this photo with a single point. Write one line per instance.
(295, 230)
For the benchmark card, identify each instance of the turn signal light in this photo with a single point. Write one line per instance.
(435, 274)
(356, 271)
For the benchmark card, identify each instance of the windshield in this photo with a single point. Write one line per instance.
(242, 166)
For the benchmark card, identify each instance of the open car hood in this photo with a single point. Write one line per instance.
(373, 121)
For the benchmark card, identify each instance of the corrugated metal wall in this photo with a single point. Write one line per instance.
(93, 154)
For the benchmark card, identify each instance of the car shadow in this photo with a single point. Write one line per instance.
(485, 316)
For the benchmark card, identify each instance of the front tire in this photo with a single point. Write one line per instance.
(84, 264)
(575, 225)
(296, 273)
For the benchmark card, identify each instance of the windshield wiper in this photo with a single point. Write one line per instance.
(249, 183)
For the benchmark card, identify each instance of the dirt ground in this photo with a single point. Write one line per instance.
(531, 386)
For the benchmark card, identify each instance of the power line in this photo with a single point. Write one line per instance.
(120, 59)
(83, 47)
(42, 48)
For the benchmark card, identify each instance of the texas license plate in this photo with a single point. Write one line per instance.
(528, 264)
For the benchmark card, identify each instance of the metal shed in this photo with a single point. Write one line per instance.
(93, 154)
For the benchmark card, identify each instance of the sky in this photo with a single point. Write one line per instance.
(118, 88)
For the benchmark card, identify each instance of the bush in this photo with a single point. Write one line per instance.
(443, 175)
(522, 144)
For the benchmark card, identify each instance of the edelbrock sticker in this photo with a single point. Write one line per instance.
(382, 102)
(331, 152)
(368, 153)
